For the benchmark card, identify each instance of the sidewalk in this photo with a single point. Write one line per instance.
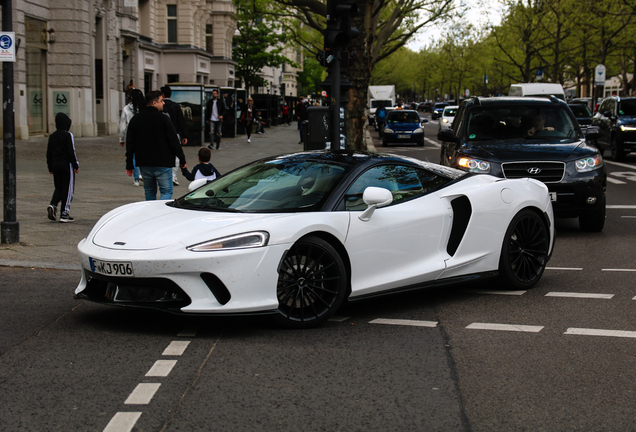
(102, 185)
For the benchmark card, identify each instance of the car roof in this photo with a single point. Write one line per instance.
(512, 100)
(451, 107)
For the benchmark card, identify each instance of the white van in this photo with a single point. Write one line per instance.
(537, 89)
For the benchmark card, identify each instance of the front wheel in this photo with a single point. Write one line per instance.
(312, 283)
(524, 253)
(593, 220)
(618, 153)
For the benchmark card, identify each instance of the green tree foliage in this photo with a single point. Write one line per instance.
(259, 42)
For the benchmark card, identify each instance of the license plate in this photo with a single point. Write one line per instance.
(111, 268)
(553, 196)
(404, 136)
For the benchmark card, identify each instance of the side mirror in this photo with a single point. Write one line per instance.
(446, 135)
(197, 184)
(607, 114)
(424, 121)
(592, 132)
(375, 197)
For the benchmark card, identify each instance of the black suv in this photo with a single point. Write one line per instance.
(616, 120)
(514, 137)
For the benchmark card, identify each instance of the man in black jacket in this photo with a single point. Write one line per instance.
(178, 121)
(215, 109)
(153, 140)
(63, 165)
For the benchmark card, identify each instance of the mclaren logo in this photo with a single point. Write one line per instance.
(534, 170)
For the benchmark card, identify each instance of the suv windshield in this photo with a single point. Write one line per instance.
(627, 107)
(279, 185)
(499, 122)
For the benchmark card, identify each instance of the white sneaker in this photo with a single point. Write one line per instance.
(249, 140)
(136, 183)
(141, 178)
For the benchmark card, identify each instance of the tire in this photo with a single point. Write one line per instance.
(420, 143)
(524, 253)
(593, 220)
(312, 283)
(384, 144)
(618, 153)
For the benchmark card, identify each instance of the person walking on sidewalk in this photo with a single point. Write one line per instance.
(63, 165)
(178, 121)
(215, 110)
(247, 117)
(153, 141)
(301, 115)
(285, 111)
(136, 104)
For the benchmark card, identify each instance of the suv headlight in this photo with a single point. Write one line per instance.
(240, 241)
(628, 128)
(474, 165)
(387, 130)
(418, 130)
(589, 163)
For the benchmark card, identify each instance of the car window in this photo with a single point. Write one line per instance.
(627, 107)
(580, 110)
(404, 182)
(403, 117)
(499, 122)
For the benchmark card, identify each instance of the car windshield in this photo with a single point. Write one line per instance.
(278, 185)
(403, 117)
(520, 122)
(450, 112)
(627, 107)
(580, 110)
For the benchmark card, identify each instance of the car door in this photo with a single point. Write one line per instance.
(605, 122)
(400, 244)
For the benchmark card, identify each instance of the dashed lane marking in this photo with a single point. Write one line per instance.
(505, 327)
(433, 143)
(161, 368)
(176, 348)
(502, 292)
(600, 332)
(142, 394)
(404, 322)
(619, 270)
(565, 268)
(628, 207)
(580, 295)
(122, 422)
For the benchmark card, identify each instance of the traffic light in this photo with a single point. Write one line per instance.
(339, 32)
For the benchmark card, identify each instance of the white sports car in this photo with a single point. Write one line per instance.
(295, 235)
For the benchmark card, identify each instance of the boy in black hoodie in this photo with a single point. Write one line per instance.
(204, 169)
(62, 163)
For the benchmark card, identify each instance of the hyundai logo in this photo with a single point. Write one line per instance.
(534, 170)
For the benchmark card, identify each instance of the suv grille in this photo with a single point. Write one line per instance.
(547, 172)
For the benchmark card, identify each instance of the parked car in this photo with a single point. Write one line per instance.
(293, 236)
(582, 114)
(513, 137)
(616, 120)
(438, 108)
(446, 120)
(425, 107)
(403, 126)
(588, 101)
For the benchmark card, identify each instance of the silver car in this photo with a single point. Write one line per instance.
(446, 120)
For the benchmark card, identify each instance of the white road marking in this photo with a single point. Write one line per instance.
(176, 348)
(628, 207)
(433, 143)
(619, 270)
(188, 332)
(620, 164)
(564, 268)
(414, 323)
(142, 394)
(122, 422)
(599, 332)
(629, 217)
(514, 293)
(505, 327)
(629, 175)
(613, 180)
(161, 368)
(580, 295)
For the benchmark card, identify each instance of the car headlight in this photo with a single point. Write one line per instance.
(238, 241)
(445, 120)
(418, 130)
(387, 130)
(589, 163)
(474, 165)
(625, 128)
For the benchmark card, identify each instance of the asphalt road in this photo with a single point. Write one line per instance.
(559, 357)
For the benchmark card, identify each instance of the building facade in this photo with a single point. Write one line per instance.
(78, 56)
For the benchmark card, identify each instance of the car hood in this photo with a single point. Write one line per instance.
(526, 150)
(154, 225)
(627, 120)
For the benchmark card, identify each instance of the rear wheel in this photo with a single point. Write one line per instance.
(312, 283)
(524, 253)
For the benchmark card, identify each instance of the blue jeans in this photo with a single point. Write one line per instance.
(135, 170)
(215, 133)
(157, 176)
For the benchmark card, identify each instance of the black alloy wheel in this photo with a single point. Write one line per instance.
(312, 282)
(616, 147)
(524, 253)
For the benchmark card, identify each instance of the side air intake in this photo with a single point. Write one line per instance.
(462, 211)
